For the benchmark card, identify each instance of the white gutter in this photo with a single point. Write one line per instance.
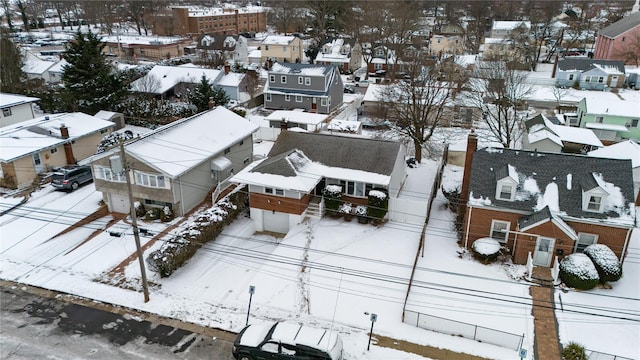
(466, 238)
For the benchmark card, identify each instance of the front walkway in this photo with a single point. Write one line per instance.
(546, 345)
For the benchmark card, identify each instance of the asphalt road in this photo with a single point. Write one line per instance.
(34, 327)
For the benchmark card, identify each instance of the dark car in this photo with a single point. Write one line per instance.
(286, 341)
(349, 90)
(71, 177)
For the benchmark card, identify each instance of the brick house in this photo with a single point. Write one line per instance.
(546, 204)
(287, 185)
(618, 40)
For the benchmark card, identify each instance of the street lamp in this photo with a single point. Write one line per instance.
(252, 289)
(373, 319)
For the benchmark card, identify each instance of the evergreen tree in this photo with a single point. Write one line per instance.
(205, 91)
(90, 84)
(11, 75)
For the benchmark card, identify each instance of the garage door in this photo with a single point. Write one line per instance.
(276, 222)
(118, 203)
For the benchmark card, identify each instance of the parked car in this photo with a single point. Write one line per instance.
(349, 90)
(286, 341)
(362, 83)
(71, 177)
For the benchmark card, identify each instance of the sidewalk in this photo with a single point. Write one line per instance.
(546, 346)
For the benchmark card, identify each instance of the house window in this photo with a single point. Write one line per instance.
(600, 79)
(241, 143)
(599, 119)
(151, 180)
(634, 123)
(227, 150)
(268, 190)
(594, 203)
(267, 97)
(287, 97)
(300, 80)
(585, 240)
(298, 98)
(273, 191)
(587, 79)
(500, 230)
(355, 188)
(266, 47)
(105, 173)
(54, 150)
(104, 131)
(505, 192)
(307, 81)
(283, 79)
(245, 161)
(272, 78)
(571, 76)
(284, 49)
(6, 112)
(323, 102)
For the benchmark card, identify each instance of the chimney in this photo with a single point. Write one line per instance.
(212, 103)
(227, 68)
(472, 145)
(284, 124)
(269, 64)
(68, 149)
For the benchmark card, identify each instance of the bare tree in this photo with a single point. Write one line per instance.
(416, 107)
(499, 91)
(251, 83)
(542, 16)
(148, 85)
(479, 13)
(6, 6)
(284, 15)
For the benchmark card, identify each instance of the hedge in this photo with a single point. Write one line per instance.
(577, 271)
(203, 226)
(605, 261)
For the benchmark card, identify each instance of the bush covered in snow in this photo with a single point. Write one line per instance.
(166, 215)
(140, 210)
(605, 261)
(574, 351)
(346, 210)
(577, 271)
(152, 214)
(378, 204)
(486, 249)
(203, 226)
(332, 195)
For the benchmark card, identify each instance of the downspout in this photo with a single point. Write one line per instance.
(466, 237)
(624, 248)
(181, 198)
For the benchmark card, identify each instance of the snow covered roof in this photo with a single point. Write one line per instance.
(610, 127)
(169, 76)
(125, 40)
(58, 67)
(278, 40)
(29, 136)
(179, 146)
(577, 135)
(544, 134)
(509, 25)
(621, 26)
(231, 79)
(299, 117)
(561, 176)
(332, 50)
(7, 100)
(344, 125)
(228, 9)
(585, 64)
(34, 65)
(301, 69)
(611, 106)
(623, 150)
(290, 170)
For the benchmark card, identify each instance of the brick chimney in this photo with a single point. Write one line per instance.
(284, 124)
(472, 145)
(227, 68)
(68, 150)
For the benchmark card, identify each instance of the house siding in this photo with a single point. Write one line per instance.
(584, 118)
(279, 203)
(18, 113)
(612, 49)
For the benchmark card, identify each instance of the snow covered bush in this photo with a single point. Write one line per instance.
(378, 204)
(152, 214)
(577, 271)
(574, 351)
(332, 195)
(140, 210)
(166, 215)
(605, 261)
(346, 210)
(203, 226)
(486, 249)
(361, 212)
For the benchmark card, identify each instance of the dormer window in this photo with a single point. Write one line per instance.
(506, 183)
(594, 193)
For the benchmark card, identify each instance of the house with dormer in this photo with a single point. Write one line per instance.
(231, 48)
(312, 87)
(345, 53)
(287, 185)
(176, 165)
(589, 74)
(546, 205)
(543, 134)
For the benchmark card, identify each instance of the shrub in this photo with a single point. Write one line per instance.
(240, 111)
(332, 195)
(605, 261)
(346, 210)
(203, 226)
(577, 271)
(152, 214)
(486, 249)
(166, 215)
(378, 204)
(574, 351)
(140, 210)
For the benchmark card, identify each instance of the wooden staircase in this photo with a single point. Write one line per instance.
(315, 209)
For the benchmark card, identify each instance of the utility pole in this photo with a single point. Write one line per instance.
(134, 222)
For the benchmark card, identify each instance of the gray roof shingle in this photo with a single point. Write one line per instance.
(621, 26)
(570, 172)
(375, 156)
(567, 64)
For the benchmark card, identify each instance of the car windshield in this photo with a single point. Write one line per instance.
(58, 176)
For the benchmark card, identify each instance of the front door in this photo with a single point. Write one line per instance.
(544, 251)
(314, 103)
(37, 163)
(614, 82)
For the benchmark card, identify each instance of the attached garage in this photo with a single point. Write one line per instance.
(275, 221)
(118, 203)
